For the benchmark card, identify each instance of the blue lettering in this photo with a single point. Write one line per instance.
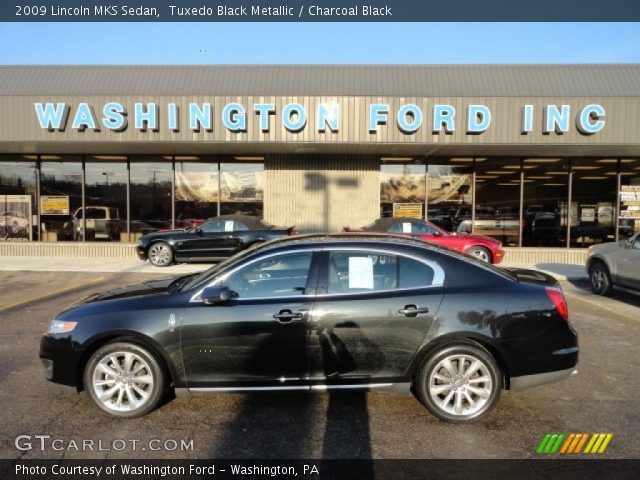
(84, 118)
(264, 110)
(290, 111)
(444, 115)
(589, 120)
(52, 118)
(114, 118)
(377, 116)
(556, 120)
(234, 117)
(478, 118)
(409, 118)
(200, 117)
(146, 119)
(328, 117)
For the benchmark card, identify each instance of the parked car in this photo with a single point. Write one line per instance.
(215, 239)
(103, 223)
(316, 313)
(13, 222)
(615, 265)
(486, 249)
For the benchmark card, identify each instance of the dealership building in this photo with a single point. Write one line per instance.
(545, 158)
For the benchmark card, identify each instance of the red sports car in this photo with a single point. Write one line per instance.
(485, 248)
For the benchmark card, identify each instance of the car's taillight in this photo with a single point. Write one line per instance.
(292, 231)
(557, 298)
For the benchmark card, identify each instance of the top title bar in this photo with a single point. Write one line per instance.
(320, 11)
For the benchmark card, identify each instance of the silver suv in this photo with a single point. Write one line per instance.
(615, 265)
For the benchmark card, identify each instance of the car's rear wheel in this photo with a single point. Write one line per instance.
(600, 279)
(160, 254)
(124, 380)
(459, 383)
(480, 253)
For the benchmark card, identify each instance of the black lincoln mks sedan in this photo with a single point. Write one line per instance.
(215, 239)
(316, 313)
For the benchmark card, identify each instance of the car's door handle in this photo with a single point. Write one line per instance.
(412, 310)
(287, 316)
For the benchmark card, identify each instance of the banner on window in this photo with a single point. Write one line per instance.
(15, 217)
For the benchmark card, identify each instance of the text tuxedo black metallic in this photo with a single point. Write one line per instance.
(349, 311)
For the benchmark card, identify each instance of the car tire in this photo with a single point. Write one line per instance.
(124, 380)
(481, 253)
(599, 279)
(459, 383)
(160, 254)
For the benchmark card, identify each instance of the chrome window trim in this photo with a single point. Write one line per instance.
(438, 273)
(308, 387)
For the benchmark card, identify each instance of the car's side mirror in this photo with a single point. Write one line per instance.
(216, 295)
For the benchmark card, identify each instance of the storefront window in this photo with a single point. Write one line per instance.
(241, 188)
(545, 202)
(17, 199)
(402, 190)
(593, 201)
(196, 192)
(498, 199)
(449, 193)
(106, 199)
(629, 221)
(60, 198)
(150, 194)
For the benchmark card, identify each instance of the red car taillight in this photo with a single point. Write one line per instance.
(557, 298)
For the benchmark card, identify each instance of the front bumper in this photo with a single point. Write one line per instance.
(142, 252)
(59, 359)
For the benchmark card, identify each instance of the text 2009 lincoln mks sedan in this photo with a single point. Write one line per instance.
(318, 313)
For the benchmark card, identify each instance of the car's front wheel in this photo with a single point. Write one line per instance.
(600, 279)
(459, 383)
(480, 253)
(124, 380)
(160, 254)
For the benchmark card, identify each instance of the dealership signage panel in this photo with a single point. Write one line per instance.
(295, 117)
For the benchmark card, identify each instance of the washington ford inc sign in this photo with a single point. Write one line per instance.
(294, 117)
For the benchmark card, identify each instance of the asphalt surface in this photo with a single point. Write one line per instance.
(602, 398)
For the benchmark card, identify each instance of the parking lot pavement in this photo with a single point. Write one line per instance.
(602, 398)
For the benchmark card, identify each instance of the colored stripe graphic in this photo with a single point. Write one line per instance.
(572, 443)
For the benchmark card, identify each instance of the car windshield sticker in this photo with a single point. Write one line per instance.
(228, 225)
(406, 227)
(361, 272)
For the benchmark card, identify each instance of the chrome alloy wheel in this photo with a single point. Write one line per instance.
(460, 385)
(122, 381)
(160, 254)
(481, 254)
(597, 278)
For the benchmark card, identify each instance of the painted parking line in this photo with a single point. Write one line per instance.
(600, 303)
(49, 295)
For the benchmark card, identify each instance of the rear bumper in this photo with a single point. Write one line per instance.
(528, 381)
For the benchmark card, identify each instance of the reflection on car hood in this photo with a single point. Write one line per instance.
(146, 288)
(604, 248)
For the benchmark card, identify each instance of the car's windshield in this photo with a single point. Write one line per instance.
(202, 276)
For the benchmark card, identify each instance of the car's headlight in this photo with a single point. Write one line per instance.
(58, 326)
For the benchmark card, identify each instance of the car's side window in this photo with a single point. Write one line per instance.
(278, 276)
(356, 272)
(213, 226)
(239, 226)
(423, 228)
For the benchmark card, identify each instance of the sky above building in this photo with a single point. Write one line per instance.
(335, 43)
